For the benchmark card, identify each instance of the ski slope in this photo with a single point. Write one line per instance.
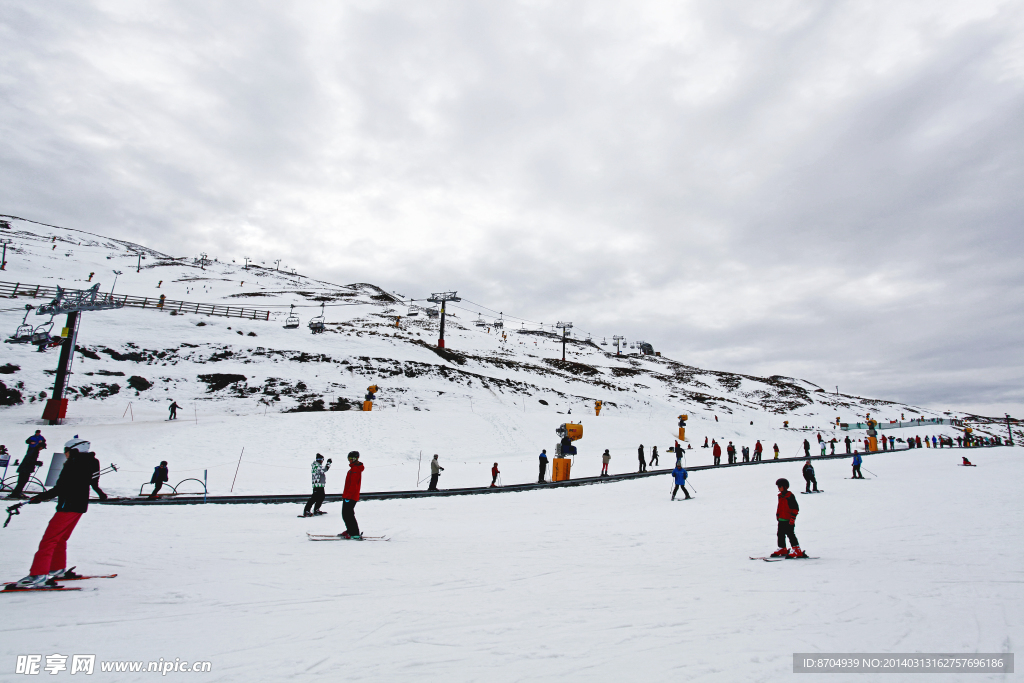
(600, 583)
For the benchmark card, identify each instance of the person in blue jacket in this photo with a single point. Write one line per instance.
(856, 466)
(679, 474)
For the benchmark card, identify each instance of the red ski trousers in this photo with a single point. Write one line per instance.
(53, 549)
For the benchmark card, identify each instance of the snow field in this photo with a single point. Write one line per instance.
(600, 583)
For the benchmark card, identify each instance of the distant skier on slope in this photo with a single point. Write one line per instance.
(159, 478)
(80, 472)
(809, 477)
(856, 465)
(543, 460)
(679, 475)
(173, 409)
(29, 463)
(679, 454)
(606, 458)
(654, 456)
(319, 474)
(350, 496)
(848, 442)
(807, 448)
(731, 452)
(435, 472)
(705, 443)
(785, 514)
(966, 462)
(717, 453)
(775, 447)
(494, 475)
(640, 456)
(758, 448)
(823, 443)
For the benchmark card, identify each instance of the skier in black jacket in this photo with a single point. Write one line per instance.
(809, 476)
(160, 476)
(80, 472)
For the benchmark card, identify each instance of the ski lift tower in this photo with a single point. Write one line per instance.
(565, 327)
(72, 302)
(441, 298)
(618, 338)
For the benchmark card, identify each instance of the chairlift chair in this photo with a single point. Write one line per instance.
(480, 322)
(23, 335)
(432, 312)
(316, 325)
(293, 320)
(41, 334)
(412, 311)
(499, 324)
(604, 341)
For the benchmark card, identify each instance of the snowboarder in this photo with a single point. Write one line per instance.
(435, 472)
(654, 456)
(705, 443)
(679, 454)
(29, 463)
(807, 448)
(606, 458)
(848, 442)
(809, 477)
(966, 462)
(757, 451)
(80, 472)
(640, 456)
(856, 465)
(679, 474)
(319, 472)
(160, 475)
(775, 447)
(350, 496)
(173, 408)
(717, 453)
(543, 458)
(494, 475)
(786, 514)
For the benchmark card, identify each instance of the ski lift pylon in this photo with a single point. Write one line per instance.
(293, 320)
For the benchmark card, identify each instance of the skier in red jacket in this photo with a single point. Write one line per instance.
(786, 514)
(494, 475)
(717, 452)
(350, 496)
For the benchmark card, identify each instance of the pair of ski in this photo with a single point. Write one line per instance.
(339, 537)
(780, 559)
(9, 586)
(818, 491)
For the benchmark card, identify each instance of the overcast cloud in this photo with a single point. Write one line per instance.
(824, 190)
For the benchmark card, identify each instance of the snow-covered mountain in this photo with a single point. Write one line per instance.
(493, 391)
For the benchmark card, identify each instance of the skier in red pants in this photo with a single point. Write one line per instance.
(350, 496)
(786, 515)
(81, 470)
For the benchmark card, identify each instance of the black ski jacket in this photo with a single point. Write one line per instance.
(72, 488)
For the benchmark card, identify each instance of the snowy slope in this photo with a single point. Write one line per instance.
(598, 583)
(488, 398)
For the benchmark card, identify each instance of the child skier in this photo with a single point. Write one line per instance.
(319, 472)
(809, 476)
(679, 474)
(606, 458)
(350, 496)
(856, 465)
(786, 514)
(80, 472)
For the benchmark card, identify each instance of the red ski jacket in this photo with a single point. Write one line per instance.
(788, 507)
(353, 481)
(717, 452)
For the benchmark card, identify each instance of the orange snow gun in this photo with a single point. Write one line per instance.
(682, 427)
(370, 395)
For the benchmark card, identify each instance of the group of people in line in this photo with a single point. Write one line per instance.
(731, 452)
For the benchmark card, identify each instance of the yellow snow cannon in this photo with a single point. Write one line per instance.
(682, 427)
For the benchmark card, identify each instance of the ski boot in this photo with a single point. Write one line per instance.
(781, 552)
(318, 513)
(58, 574)
(356, 537)
(345, 536)
(30, 581)
(795, 553)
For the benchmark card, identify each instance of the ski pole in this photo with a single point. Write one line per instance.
(870, 472)
(11, 511)
(691, 486)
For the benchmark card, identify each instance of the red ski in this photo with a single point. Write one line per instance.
(8, 588)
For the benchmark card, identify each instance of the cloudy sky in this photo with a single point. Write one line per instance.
(831, 191)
